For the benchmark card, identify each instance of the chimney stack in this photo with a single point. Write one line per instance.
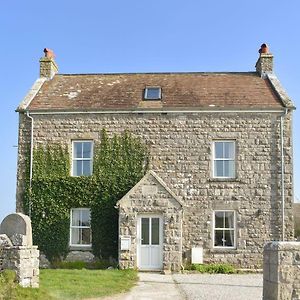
(48, 66)
(264, 64)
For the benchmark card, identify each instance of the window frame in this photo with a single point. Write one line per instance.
(152, 87)
(224, 229)
(82, 159)
(79, 227)
(214, 159)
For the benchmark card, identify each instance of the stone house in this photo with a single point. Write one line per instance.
(220, 183)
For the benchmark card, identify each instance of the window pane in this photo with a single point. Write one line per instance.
(75, 217)
(229, 219)
(86, 171)
(219, 168)
(75, 236)
(77, 168)
(219, 238)
(87, 149)
(218, 149)
(85, 217)
(145, 231)
(77, 150)
(229, 238)
(229, 168)
(229, 150)
(219, 219)
(155, 231)
(85, 236)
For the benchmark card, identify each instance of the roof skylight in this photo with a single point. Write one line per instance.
(152, 93)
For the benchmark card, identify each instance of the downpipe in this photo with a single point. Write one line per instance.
(31, 162)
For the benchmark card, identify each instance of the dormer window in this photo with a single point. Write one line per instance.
(152, 93)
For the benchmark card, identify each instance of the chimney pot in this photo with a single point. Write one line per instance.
(49, 53)
(264, 48)
(48, 66)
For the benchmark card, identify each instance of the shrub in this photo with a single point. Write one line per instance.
(69, 265)
(213, 268)
(99, 264)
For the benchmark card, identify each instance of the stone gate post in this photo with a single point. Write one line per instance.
(281, 271)
(17, 251)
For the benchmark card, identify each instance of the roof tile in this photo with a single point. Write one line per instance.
(179, 90)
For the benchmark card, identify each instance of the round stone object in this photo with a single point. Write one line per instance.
(17, 225)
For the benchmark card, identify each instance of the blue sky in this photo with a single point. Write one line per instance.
(139, 36)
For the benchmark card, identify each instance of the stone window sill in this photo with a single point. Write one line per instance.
(224, 251)
(224, 180)
(80, 248)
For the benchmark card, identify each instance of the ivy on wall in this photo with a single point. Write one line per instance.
(119, 163)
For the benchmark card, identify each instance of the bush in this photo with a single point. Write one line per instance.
(100, 265)
(213, 268)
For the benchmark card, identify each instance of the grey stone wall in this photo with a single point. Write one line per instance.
(85, 256)
(180, 148)
(281, 271)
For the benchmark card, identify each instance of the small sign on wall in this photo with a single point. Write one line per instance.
(125, 242)
(197, 255)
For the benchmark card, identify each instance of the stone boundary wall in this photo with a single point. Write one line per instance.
(16, 250)
(281, 271)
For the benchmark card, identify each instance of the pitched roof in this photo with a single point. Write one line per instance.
(84, 92)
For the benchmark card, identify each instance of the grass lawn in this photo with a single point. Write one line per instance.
(79, 284)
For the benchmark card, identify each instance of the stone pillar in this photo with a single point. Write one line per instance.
(24, 260)
(281, 271)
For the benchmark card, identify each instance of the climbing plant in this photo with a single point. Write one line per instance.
(119, 163)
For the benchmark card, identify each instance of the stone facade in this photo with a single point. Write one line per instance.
(181, 155)
(281, 271)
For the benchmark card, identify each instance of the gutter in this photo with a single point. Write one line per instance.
(31, 161)
(153, 111)
(282, 172)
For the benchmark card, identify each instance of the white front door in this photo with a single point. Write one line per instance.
(150, 240)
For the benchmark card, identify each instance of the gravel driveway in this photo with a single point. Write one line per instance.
(220, 286)
(155, 286)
